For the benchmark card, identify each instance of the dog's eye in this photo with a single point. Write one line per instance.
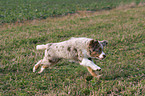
(99, 50)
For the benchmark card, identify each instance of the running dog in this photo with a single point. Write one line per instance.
(80, 50)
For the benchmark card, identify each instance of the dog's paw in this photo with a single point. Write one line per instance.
(41, 70)
(97, 69)
(98, 76)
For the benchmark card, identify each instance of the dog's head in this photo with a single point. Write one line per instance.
(95, 49)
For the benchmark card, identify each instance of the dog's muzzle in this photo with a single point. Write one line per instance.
(102, 56)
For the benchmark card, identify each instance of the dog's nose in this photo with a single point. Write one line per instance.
(104, 56)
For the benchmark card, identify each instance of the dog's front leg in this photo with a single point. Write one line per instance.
(93, 73)
(88, 63)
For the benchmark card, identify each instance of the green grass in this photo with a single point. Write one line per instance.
(20, 10)
(122, 72)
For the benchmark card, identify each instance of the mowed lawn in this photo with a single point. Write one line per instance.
(123, 70)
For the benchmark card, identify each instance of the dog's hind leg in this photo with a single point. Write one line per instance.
(37, 65)
(42, 68)
(48, 63)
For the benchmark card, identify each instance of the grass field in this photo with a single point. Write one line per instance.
(123, 71)
(20, 10)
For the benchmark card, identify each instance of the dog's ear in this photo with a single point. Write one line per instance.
(93, 43)
(104, 42)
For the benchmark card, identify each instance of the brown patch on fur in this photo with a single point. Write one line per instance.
(75, 50)
(94, 54)
(49, 55)
(94, 48)
(69, 49)
(51, 61)
(45, 66)
(54, 60)
(93, 43)
(50, 44)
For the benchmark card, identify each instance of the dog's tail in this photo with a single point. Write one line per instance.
(41, 47)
